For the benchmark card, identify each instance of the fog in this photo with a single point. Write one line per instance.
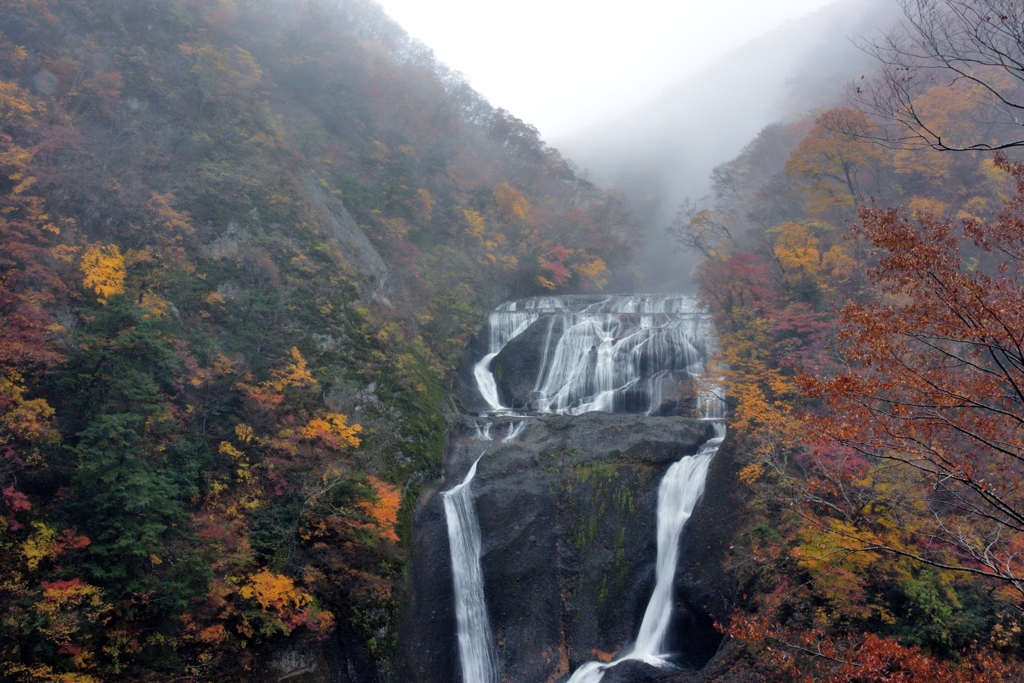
(564, 64)
(650, 100)
(663, 151)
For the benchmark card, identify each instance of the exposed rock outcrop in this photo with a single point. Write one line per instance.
(568, 520)
(354, 245)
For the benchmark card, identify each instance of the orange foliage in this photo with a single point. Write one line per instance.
(333, 431)
(274, 591)
(932, 381)
(383, 510)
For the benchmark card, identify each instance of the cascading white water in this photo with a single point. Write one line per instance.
(513, 431)
(483, 433)
(477, 653)
(680, 489)
(610, 354)
(504, 323)
(613, 354)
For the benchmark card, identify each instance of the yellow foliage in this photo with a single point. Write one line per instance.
(214, 299)
(17, 159)
(154, 305)
(993, 172)
(840, 541)
(14, 102)
(398, 229)
(295, 374)
(512, 204)
(755, 411)
(23, 418)
(244, 433)
(831, 157)
(104, 269)
(39, 546)
(763, 394)
(60, 595)
(226, 448)
(593, 273)
(796, 249)
(926, 205)
(835, 552)
(838, 262)
(275, 591)
(972, 208)
(476, 223)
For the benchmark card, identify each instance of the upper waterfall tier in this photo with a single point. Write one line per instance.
(638, 353)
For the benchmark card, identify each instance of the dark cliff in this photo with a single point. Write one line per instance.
(568, 518)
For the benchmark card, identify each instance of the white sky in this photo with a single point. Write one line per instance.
(565, 64)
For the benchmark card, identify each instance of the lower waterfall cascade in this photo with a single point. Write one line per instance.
(614, 354)
(680, 489)
(476, 641)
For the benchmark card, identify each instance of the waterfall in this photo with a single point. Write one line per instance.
(680, 489)
(613, 354)
(477, 652)
(513, 431)
(483, 433)
(504, 324)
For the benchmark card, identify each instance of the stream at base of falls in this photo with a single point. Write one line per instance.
(597, 354)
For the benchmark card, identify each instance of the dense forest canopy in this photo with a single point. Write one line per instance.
(243, 245)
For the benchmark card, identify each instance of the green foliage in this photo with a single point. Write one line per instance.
(133, 464)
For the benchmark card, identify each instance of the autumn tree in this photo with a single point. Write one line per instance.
(932, 387)
(971, 50)
(834, 161)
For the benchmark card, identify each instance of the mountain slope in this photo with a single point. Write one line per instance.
(243, 245)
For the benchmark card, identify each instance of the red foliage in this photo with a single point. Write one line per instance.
(740, 281)
(69, 540)
(16, 502)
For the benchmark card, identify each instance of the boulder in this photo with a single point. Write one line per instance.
(517, 366)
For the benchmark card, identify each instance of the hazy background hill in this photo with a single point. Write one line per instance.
(665, 150)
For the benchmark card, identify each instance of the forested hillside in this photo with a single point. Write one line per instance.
(863, 269)
(244, 242)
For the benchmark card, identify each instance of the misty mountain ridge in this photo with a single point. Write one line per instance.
(663, 152)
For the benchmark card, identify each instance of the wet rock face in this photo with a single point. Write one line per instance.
(522, 365)
(517, 366)
(466, 394)
(568, 520)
